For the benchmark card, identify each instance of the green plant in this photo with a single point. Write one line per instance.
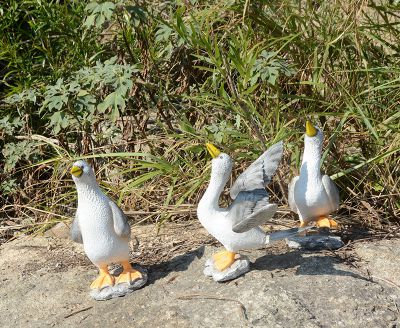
(138, 87)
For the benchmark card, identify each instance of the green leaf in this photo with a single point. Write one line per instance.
(114, 101)
(98, 13)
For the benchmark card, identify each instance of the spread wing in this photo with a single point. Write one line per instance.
(251, 207)
(332, 192)
(292, 203)
(76, 235)
(260, 172)
(121, 225)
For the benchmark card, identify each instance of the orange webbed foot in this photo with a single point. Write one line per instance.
(128, 274)
(224, 259)
(105, 279)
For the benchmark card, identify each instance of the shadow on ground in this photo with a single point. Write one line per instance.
(304, 264)
(177, 264)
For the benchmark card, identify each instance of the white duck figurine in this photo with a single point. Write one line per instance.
(237, 227)
(102, 228)
(311, 195)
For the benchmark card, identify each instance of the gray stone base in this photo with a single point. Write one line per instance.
(120, 289)
(314, 242)
(238, 268)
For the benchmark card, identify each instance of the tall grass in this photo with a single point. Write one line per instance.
(240, 74)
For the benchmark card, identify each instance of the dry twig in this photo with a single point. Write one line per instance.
(78, 311)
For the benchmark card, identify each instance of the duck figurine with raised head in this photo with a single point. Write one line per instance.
(237, 226)
(313, 196)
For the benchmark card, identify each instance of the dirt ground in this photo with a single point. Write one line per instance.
(45, 283)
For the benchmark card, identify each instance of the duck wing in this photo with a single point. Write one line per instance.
(292, 203)
(250, 209)
(332, 192)
(260, 172)
(121, 224)
(76, 234)
(251, 206)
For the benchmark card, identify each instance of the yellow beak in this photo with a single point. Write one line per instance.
(76, 171)
(214, 151)
(311, 131)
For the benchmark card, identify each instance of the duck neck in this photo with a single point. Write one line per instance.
(210, 199)
(88, 192)
(310, 166)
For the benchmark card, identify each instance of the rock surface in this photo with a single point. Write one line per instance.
(45, 284)
(382, 259)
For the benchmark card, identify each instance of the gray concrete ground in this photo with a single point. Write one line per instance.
(44, 282)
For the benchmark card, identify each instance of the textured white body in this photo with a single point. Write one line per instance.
(101, 244)
(311, 194)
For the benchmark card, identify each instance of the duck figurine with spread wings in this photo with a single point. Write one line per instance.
(237, 226)
(311, 195)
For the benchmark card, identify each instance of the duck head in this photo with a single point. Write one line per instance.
(221, 164)
(313, 137)
(82, 173)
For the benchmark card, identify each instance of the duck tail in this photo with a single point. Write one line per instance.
(279, 235)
